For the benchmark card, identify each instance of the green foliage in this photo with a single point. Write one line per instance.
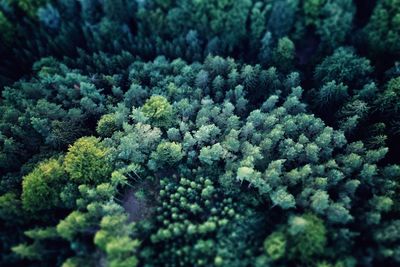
(332, 21)
(284, 53)
(30, 252)
(184, 221)
(275, 245)
(30, 7)
(6, 29)
(211, 19)
(10, 207)
(158, 111)
(41, 188)
(307, 237)
(211, 159)
(74, 223)
(343, 66)
(40, 248)
(387, 102)
(41, 233)
(302, 240)
(336, 22)
(113, 238)
(213, 154)
(386, 107)
(167, 153)
(241, 155)
(312, 10)
(107, 125)
(382, 31)
(76, 262)
(331, 95)
(87, 161)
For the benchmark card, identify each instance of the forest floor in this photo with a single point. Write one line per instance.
(137, 208)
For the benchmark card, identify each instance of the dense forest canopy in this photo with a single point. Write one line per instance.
(200, 133)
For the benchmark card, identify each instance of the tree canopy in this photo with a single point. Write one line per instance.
(199, 133)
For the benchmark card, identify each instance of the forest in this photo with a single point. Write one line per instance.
(226, 133)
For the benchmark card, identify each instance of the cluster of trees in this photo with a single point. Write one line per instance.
(250, 30)
(199, 133)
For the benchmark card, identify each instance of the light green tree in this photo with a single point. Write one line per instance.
(41, 188)
(159, 111)
(87, 161)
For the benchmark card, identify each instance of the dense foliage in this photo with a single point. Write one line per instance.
(199, 133)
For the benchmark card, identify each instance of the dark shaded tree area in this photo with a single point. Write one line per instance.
(239, 133)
